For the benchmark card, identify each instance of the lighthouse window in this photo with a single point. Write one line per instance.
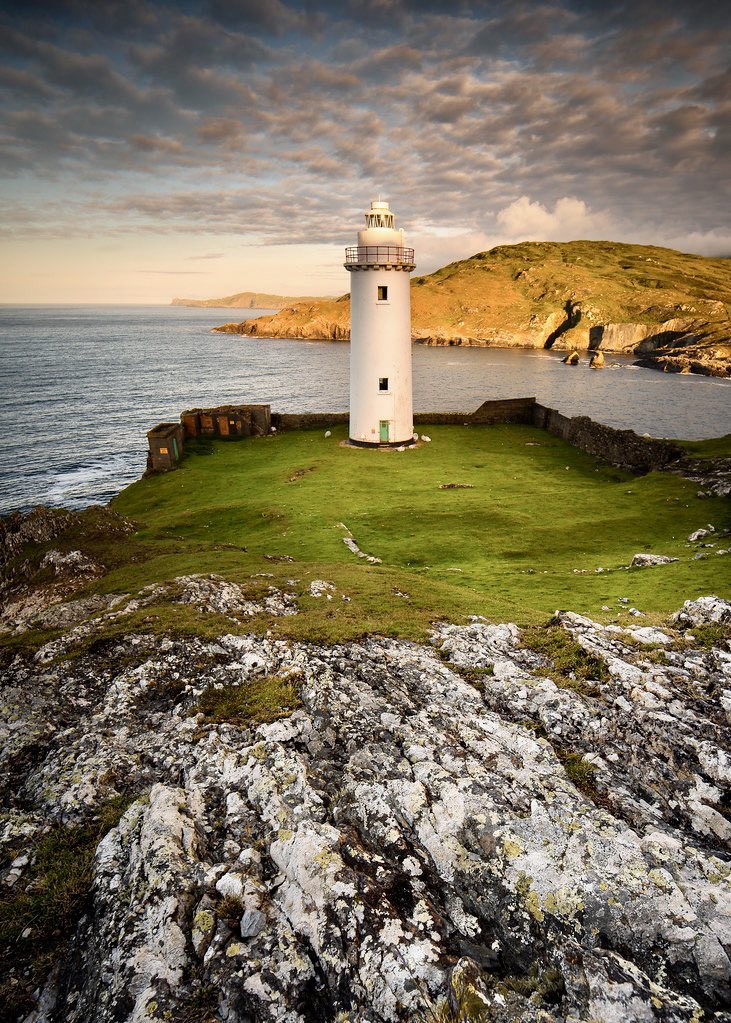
(382, 293)
(383, 383)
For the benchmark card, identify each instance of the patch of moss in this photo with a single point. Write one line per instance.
(38, 916)
(548, 984)
(707, 636)
(571, 666)
(255, 702)
(580, 771)
(230, 908)
(475, 676)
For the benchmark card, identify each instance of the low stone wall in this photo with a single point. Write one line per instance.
(505, 410)
(619, 447)
(308, 420)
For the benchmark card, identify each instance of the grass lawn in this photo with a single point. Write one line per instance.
(505, 544)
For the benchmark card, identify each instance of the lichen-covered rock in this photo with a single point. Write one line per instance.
(536, 847)
(648, 560)
(704, 611)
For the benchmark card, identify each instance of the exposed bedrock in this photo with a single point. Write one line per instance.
(400, 836)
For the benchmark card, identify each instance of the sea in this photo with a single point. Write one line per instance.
(81, 385)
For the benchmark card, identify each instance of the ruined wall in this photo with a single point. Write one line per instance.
(619, 447)
(227, 421)
(506, 410)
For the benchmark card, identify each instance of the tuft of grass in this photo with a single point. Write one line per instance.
(475, 676)
(230, 908)
(200, 1005)
(548, 984)
(38, 916)
(571, 666)
(580, 771)
(707, 636)
(715, 447)
(253, 703)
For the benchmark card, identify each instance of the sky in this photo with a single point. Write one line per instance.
(152, 149)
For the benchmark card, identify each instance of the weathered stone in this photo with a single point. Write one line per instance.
(401, 839)
(252, 923)
(647, 560)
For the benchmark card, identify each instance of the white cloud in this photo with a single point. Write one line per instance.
(571, 218)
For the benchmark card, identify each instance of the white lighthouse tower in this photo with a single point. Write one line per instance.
(381, 411)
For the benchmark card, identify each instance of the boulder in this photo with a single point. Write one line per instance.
(647, 560)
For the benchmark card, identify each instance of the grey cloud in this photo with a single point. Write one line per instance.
(270, 16)
(269, 118)
(24, 85)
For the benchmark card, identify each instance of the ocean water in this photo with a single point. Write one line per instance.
(81, 385)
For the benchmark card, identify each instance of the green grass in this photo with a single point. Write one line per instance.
(715, 447)
(570, 667)
(258, 701)
(580, 771)
(506, 547)
(39, 914)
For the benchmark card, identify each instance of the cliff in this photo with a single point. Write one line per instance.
(241, 300)
(670, 308)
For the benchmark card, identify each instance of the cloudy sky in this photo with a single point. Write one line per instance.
(151, 149)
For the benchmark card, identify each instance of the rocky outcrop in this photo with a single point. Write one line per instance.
(678, 345)
(461, 821)
(33, 583)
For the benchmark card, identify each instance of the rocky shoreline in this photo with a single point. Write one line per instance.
(698, 358)
(500, 824)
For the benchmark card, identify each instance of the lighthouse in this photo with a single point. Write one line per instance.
(381, 410)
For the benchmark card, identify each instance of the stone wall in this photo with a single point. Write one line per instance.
(308, 420)
(505, 410)
(619, 447)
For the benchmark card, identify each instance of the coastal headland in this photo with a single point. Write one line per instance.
(670, 309)
(372, 735)
(242, 300)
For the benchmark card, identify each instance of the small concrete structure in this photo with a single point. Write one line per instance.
(228, 421)
(166, 442)
(381, 410)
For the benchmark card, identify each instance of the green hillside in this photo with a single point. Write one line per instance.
(669, 307)
(450, 521)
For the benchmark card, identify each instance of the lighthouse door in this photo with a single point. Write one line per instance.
(383, 423)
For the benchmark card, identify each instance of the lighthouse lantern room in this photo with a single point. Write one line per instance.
(381, 411)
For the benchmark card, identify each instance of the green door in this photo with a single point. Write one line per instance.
(383, 423)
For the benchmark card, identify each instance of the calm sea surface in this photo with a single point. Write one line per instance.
(81, 385)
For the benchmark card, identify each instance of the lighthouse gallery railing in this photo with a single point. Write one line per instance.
(380, 254)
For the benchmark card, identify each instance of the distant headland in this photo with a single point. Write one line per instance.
(245, 300)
